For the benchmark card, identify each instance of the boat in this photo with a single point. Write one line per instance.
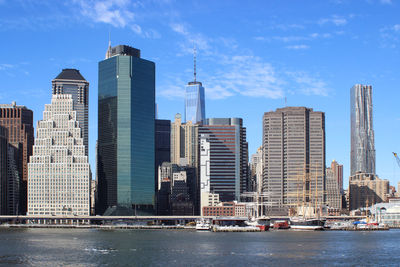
(261, 223)
(307, 224)
(203, 225)
(281, 224)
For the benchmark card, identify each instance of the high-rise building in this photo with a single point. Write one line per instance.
(333, 194)
(177, 190)
(225, 164)
(293, 158)
(337, 170)
(70, 81)
(18, 120)
(162, 144)
(59, 173)
(257, 170)
(184, 142)
(126, 135)
(366, 189)
(3, 170)
(362, 132)
(195, 109)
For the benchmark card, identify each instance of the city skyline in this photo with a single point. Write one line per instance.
(322, 83)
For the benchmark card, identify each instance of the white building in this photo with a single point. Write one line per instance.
(58, 172)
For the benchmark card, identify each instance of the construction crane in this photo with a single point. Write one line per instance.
(397, 158)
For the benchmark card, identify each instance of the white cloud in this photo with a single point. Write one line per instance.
(336, 20)
(4, 66)
(389, 2)
(113, 12)
(308, 85)
(297, 47)
(396, 28)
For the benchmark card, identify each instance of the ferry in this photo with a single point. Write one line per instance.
(203, 225)
(306, 224)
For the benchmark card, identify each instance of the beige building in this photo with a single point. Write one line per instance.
(58, 171)
(333, 195)
(184, 142)
(293, 158)
(366, 189)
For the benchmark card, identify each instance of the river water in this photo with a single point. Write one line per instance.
(93, 247)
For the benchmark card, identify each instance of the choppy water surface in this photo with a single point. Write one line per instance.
(74, 247)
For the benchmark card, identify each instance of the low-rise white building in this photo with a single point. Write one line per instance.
(58, 170)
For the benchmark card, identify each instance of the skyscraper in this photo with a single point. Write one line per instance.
(293, 158)
(184, 142)
(224, 153)
(59, 174)
(70, 81)
(362, 132)
(18, 120)
(3, 170)
(126, 133)
(195, 109)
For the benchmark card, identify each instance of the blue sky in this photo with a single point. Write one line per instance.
(251, 55)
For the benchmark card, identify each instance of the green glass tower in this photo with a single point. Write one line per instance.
(126, 133)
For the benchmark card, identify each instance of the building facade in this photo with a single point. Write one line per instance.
(362, 155)
(195, 110)
(366, 189)
(256, 170)
(184, 142)
(333, 194)
(59, 172)
(162, 144)
(70, 81)
(293, 158)
(18, 120)
(3, 170)
(224, 158)
(126, 133)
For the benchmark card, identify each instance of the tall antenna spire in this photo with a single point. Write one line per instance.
(194, 61)
(108, 53)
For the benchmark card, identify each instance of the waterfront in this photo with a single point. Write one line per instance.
(92, 247)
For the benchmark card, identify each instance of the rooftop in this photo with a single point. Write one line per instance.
(70, 74)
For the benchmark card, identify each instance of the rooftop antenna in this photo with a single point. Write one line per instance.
(285, 101)
(194, 61)
(108, 53)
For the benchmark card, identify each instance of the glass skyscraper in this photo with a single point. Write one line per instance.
(126, 133)
(362, 132)
(195, 110)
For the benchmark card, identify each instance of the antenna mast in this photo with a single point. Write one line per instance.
(194, 62)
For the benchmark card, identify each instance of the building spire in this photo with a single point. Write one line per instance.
(194, 62)
(108, 53)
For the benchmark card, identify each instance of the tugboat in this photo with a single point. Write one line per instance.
(307, 224)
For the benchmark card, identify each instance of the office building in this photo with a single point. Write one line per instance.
(18, 120)
(177, 190)
(337, 170)
(70, 81)
(3, 170)
(293, 159)
(256, 170)
(195, 109)
(59, 172)
(184, 142)
(362, 156)
(162, 144)
(333, 194)
(224, 158)
(366, 189)
(126, 134)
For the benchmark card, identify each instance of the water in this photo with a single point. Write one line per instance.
(75, 247)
